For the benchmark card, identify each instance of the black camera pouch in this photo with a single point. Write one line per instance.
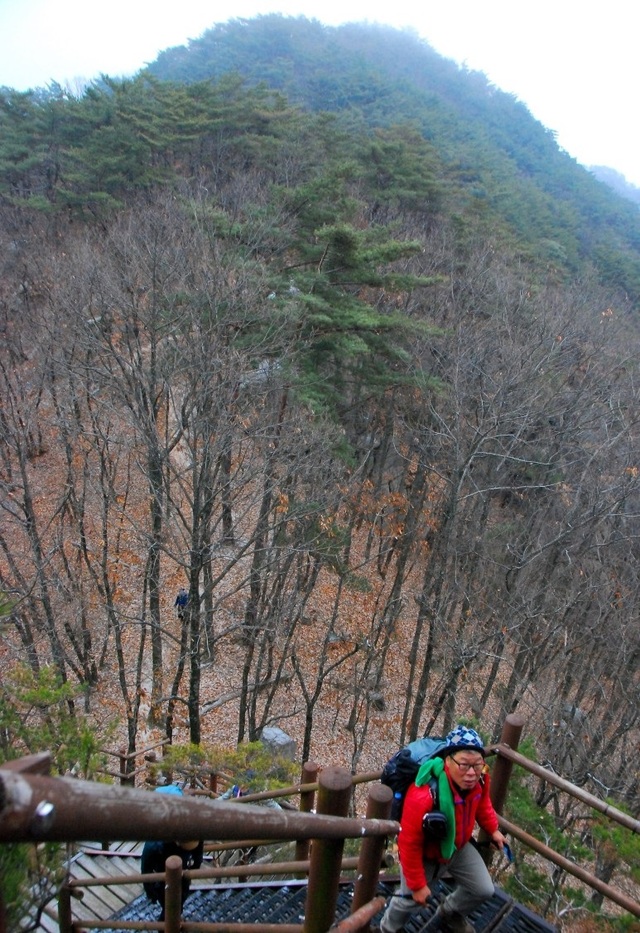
(434, 825)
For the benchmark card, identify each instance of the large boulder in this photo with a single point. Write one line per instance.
(279, 742)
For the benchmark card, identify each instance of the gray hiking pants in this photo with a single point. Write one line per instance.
(473, 885)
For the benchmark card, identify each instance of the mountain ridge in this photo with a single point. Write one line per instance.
(380, 76)
(617, 182)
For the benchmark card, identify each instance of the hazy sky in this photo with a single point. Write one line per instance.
(573, 62)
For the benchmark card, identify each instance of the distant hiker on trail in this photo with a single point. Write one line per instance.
(463, 798)
(181, 602)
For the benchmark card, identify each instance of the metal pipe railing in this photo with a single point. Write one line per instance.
(38, 808)
(587, 877)
(349, 863)
(596, 803)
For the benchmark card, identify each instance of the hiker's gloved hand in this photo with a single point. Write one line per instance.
(421, 895)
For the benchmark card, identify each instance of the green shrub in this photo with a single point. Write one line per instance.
(251, 765)
(37, 715)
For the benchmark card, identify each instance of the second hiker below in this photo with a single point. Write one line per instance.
(463, 797)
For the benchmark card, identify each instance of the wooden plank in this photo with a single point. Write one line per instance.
(99, 902)
(117, 865)
(114, 848)
(49, 918)
(119, 868)
(133, 849)
(90, 867)
(48, 925)
(92, 905)
(108, 896)
(101, 867)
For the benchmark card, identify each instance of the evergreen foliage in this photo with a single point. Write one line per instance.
(251, 766)
(486, 142)
(459, 141)
(36, 714)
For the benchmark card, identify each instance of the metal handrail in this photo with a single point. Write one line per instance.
(39, 808)
(506, 757)
(596, 803)
(618, 897)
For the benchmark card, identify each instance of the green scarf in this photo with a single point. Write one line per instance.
(434, 767)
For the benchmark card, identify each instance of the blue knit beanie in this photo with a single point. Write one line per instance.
(462, 737)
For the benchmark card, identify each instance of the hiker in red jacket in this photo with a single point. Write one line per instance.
(463, 797)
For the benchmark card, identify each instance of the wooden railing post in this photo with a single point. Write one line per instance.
(173, 894)
(309, 775)
(126, 780)
(502, 768)
(372, 848)
(334, 796)
(511, 732)
(64, 909)
(152, 775)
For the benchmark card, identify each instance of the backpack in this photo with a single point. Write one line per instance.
(401, 770)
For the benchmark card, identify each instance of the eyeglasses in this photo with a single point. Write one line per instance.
(464, 766)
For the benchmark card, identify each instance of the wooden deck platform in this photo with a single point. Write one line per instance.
(100, 902)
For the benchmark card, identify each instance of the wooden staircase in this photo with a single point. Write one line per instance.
(277, 901)
(103, 901)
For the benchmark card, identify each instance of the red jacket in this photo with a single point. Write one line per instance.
(413, 849)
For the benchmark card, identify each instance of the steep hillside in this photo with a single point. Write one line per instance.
(494, 154)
